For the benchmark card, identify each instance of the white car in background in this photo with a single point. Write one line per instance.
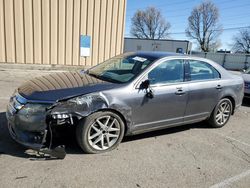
(246, 77)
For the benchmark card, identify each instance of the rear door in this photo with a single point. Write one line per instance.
(204, 88)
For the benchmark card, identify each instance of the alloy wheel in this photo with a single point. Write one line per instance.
(104, 132)
(223, 113)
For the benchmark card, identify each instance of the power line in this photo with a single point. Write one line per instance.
(225, 29)
(180, 24)
(225, 23)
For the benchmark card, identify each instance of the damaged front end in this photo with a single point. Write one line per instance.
(27, 124)
(34, 124)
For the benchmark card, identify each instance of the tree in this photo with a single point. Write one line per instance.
(242, 41)
(204, 27)
(149, 24)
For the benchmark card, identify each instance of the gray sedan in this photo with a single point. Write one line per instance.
(246, 77)
(126, 95)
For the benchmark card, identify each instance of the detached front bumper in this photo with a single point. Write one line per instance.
(31, 131)
(27, 122)
(19, 128)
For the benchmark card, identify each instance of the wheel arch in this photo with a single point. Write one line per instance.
(117, 113)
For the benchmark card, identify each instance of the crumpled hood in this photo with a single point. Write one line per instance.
(57, 86)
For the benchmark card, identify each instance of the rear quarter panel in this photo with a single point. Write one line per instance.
(233, 86)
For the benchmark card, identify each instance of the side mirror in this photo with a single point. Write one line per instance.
(145, 84)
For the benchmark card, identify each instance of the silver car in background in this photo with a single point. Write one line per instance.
(246, 77)
(125, 95)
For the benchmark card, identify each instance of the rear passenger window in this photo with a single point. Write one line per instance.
(202, 71)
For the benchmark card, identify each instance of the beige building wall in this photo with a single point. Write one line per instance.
(48, 31)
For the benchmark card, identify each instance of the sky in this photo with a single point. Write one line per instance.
(234, 14)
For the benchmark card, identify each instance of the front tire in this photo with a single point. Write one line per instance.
(221, 114)
(100, 132)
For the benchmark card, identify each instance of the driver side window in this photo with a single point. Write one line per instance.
(167, 72)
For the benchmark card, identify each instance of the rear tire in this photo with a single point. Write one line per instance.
(221, 113)
(100, 132)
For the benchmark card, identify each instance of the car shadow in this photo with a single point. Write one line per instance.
(9, 147)
(166, 131)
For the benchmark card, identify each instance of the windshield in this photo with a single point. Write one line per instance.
(120, 69)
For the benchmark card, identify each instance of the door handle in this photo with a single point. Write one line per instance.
(180, 91)
(219, 87)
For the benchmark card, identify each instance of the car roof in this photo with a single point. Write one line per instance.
(156, 55)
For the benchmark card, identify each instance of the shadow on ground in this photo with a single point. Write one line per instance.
(201, 125)
(7, 145)
(246, 102)
(10, 147)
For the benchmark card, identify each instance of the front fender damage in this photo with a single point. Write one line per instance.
(82, 106)
(79, 107)
(69, 112)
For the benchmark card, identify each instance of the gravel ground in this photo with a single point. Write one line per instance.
(188, 156)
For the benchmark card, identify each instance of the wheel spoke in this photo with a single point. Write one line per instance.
(108, 141)
(98, 139)
(95, 135)
(113, 129)
(100, 124)
(97, 130)
(225, 116)
(220, 109)
(111, 125)
(102, 141)
(222, 119)
(107, 121)
(112, 135)
(218, 117)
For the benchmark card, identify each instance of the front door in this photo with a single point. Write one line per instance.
(167, 105)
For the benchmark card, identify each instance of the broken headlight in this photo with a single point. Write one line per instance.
(33, 108)
(85, 99)
(60, 116)
(78, 106)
